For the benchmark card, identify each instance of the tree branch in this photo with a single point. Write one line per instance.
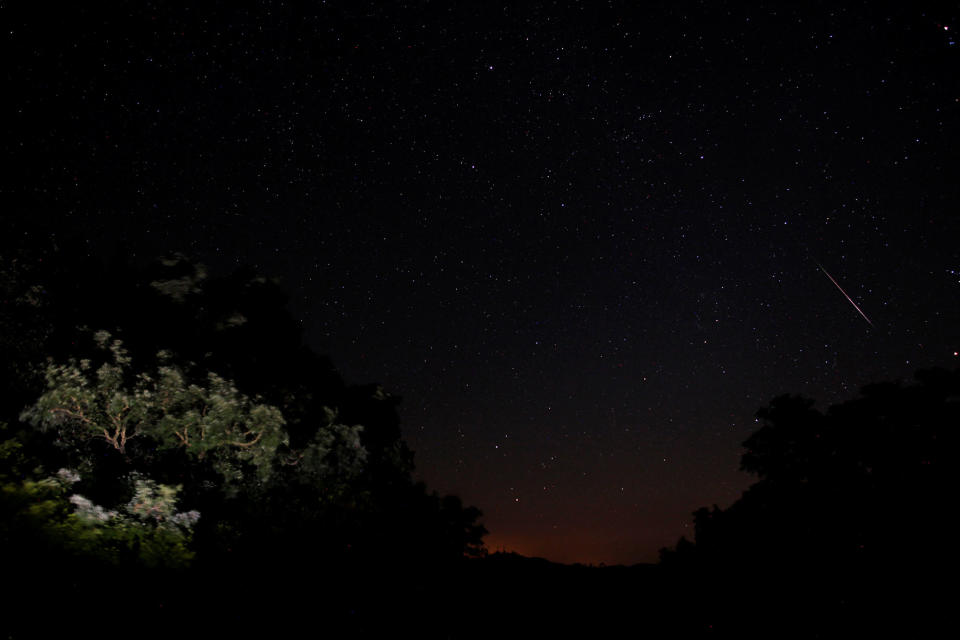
(72, 414)
(249, 443)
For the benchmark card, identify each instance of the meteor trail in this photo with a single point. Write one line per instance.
(849, 299)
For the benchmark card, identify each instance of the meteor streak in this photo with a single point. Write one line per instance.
(849, 299)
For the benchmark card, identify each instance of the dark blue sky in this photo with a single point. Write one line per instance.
(581, 240)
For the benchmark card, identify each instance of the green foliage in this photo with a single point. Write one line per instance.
(114, 403)
(12, 459)
(147, 530)
(180, 288)
(144, 414)
(44, 514)
(335, 450)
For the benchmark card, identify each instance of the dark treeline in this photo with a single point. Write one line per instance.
(843, 534)
(276, 495)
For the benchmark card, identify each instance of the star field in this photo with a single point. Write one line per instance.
(581, 240)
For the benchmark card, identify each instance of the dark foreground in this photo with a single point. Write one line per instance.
(501, 596)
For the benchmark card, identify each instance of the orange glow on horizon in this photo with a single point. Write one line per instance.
(581, 548)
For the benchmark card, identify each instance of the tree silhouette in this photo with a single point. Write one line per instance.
(844, 515)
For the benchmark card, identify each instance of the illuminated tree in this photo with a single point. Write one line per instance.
(112, 403)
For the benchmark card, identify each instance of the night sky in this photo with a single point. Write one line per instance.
(584, 242)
